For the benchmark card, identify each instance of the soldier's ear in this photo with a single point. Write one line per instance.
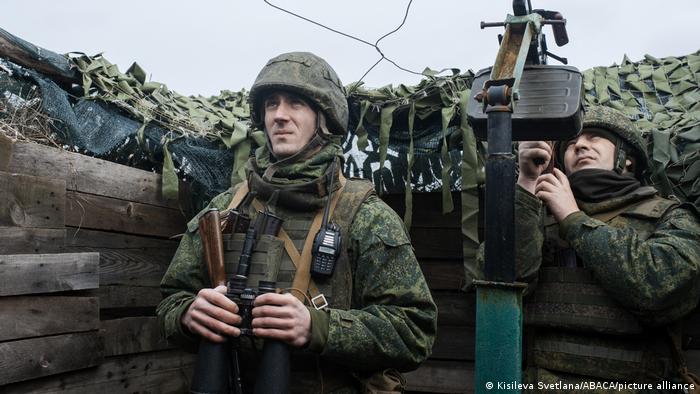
(630, 165)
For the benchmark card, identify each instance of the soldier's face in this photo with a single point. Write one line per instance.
(589, 150)
(290, 123)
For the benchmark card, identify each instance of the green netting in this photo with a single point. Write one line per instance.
(222, 119)
(662, 97)
(404, 138)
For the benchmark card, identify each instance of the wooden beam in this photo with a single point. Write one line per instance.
(454, 343)
(90, 211)
(437, 243)
(16, 240)
(128, 297)
(29, 55)
(442, 377)
(46, 273)
(443, 274)
(85, 174)
(32, 358)
(456, 308)
(133, 335)
(170, 372)
(35, 316)
(124, 259)
(29, 201)
(427, 209)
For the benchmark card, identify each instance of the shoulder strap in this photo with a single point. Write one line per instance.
(239, 195)
(355, 193)
(302, 278)
(609, 215)
(655, 207)
(344, 205)
(302, 261)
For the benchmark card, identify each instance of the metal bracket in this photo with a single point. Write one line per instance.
(324, 302)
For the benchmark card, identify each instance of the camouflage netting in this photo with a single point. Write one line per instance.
(394, 131)
(404, 138)
(662, 97)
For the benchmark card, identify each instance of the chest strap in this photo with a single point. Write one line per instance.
(302, 282)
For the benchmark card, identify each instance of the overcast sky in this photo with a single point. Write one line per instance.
(204, 46)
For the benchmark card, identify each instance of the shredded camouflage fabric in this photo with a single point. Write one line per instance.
(392, 319)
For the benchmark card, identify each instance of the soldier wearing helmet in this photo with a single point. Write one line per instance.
(379, 318)
(613, 268)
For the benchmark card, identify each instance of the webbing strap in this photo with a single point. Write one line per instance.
(239, 196)
(302, 277)
(607, 216)
(302, 262)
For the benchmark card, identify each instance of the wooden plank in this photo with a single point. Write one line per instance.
(131, 268)
(46, 62)
(34, 316)
(85, 174)
(442, 377)
(16, 240)
(90, 211)
(124, 259)
(170, 371)
(454, 343)
(427, 209)
(32, 358)
(133, 335)
(443, 274)
(437, 243)
(128, 297)
(84, 238)
(456, 308)
(29, 201)
(46, 273)
(171, 381)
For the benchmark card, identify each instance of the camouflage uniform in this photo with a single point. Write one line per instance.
(607, 282)
(633, 273)
(389, 318)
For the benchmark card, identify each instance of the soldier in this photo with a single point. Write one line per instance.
(613, 269)
(380, 315)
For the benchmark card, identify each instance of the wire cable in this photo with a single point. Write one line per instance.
(375, 45)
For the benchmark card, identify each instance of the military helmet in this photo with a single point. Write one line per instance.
(305, 74)
(627, 139)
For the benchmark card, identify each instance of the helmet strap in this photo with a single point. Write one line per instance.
(620, 159)
(321, 126)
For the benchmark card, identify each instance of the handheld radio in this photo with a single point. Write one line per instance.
(328, 241)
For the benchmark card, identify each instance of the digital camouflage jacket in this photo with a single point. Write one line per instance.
(635, 268)
(392, 319)
(655, 276)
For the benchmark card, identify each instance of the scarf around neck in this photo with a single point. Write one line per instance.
(596, 185)
(299, 185)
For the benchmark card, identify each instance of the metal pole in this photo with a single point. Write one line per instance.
(498, 298)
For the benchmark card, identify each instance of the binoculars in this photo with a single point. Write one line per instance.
(217, 370)
(245, 297)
